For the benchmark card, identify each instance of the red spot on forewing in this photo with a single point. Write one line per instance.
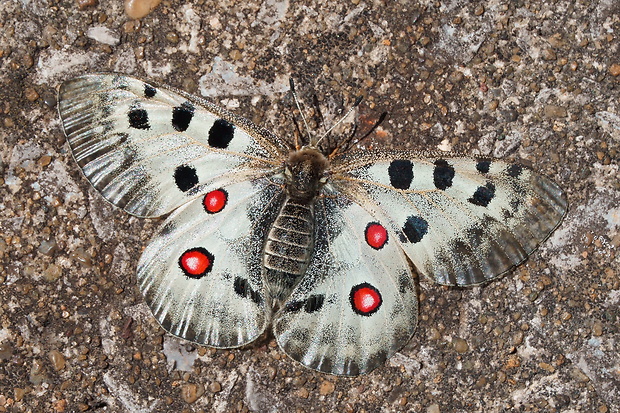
(376, 235)
(365, 299)
(196, 262)
(215, 201)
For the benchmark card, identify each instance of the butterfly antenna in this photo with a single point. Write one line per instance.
(346, 143)
(355, 105)
(318, 118)
(303, 117)
(298, 133)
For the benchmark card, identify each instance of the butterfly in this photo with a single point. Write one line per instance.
(313, 241)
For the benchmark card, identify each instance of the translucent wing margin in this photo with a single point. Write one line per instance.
(460, 220)
(201, 273)
(356, 305)
(148, 148)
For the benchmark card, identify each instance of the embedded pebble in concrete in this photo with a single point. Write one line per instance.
(137, 9)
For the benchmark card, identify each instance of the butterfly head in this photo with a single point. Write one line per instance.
(305, 173)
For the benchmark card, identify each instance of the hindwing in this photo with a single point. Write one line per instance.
(356, 305)
(201, 274)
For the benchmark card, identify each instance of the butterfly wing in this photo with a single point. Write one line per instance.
(461, 221)
(201, 273)
(149, 149)
(356, 305)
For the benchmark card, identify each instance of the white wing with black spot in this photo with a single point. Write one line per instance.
(356, 305)
(461, 221)
(149, 149)
(201, 273)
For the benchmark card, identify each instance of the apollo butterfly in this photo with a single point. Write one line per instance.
(313, 240)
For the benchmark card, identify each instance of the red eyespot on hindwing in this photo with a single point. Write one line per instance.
(215, 201)
(376, 235)
(196, 262)
(365, 299)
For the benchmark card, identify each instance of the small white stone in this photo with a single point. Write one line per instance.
(103, 35)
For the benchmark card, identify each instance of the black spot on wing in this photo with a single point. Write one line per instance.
(138, 118)
(483, 166)
(185, 177)
(243, 289)
(310, 305)
(182, 116)
(314, 303)
(514, 170)
(149, 91)
(401, 173)
(221, 133)
(414, 229)
(294, 306)
(483, 195)
(443, 174)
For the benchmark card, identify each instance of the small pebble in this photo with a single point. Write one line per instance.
(44, 160)
(84, 4)
(31, 94)
(28, 61)
(549, 54)
(60, 405)
(190, 392)
(513, 361)
(553, 112)
(433, 408)
(546, 366)
(517, 338)
(460, 345)
(137, 9)
(327, 387)
(577, 374)
(48, 247)
(597, 329)
(172, 37)
(19, 394)
(303, 393)
(49, 99)
(215, 387)
(57, 359)
(433, 334)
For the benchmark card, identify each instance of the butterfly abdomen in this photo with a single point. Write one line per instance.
(289, 246)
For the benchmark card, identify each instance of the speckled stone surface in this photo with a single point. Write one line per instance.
(534, 80)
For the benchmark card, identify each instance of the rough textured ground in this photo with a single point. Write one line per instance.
(535, 80)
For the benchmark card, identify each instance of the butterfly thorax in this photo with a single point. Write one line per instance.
(290, 240)
(304, 171)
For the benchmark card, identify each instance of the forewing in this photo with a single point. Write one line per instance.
(460, 220)
(201, 273)
(149, 149)
(356, 305)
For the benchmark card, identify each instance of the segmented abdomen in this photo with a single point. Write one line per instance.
(289, 246)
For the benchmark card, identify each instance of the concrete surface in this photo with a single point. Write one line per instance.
(534, 80)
